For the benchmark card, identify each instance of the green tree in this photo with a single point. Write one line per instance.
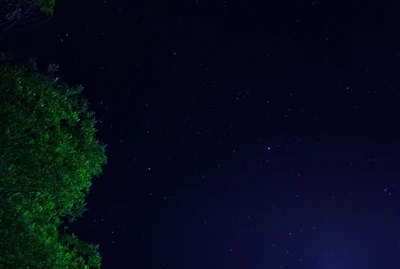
(23, 12)
(48, 158)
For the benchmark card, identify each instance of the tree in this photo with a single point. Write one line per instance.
(23, 12)
(48, 158)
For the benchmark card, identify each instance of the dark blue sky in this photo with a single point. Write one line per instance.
(241, 135)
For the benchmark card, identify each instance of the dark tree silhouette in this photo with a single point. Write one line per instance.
(23, 13)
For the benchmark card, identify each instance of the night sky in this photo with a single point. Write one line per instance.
(245, 134)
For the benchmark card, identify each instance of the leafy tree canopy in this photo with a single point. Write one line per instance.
(48, 157)
(23, 13)
(46, 6)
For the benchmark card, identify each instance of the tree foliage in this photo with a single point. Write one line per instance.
(23, 12)
(48, 158)
(46, 6)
